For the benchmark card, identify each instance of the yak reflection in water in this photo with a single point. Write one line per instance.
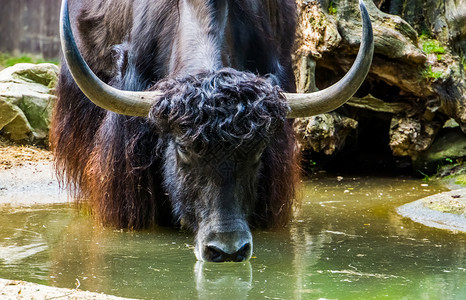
(226, 281)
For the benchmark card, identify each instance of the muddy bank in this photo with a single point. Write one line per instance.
(30, 184)
(14, 289)
(445, 210)
(27, 176)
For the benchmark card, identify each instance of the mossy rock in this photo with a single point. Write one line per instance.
(455, 204)
(447, 148)
(27, 100)
(445, 210)
(460, 180)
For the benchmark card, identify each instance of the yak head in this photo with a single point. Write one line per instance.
(215, 127)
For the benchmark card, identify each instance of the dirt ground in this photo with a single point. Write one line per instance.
(27, 176)
(14, 155)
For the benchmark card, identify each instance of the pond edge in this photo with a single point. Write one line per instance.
(417, 212)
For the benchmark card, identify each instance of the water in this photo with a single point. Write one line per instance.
(346, 242)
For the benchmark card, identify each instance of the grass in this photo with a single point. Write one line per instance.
(432, 74)
(332, 8)
(431, 46)
(8, 60)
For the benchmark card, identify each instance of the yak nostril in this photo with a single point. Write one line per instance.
(242, 253)
(215, 254)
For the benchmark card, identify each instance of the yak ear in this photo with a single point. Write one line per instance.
(272, 79)
(120, 58)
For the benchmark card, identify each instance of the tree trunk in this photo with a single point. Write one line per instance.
(416, 82)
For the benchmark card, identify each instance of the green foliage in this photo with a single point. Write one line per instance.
(332, 8)
(428, 73)
(7, 60)
(425, 34)
(310, 166)
(430, 46)
(463, 62)
(425, 177)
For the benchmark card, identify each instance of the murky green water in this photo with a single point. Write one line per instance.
(346, 242)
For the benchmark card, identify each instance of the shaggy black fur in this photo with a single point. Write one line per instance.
(227, 107)
(120, 164)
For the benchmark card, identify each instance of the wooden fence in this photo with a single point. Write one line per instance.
(30, 26)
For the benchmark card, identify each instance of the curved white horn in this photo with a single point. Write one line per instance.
(101, 94)
(304, 105)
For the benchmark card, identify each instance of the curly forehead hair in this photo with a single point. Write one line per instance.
(226, 106)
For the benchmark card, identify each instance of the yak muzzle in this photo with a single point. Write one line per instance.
(232, 246)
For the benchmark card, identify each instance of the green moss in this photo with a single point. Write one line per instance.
(332, 8)
(428, 73)
(425, 177)
(461, 180)
(7, 60)
(447, 205)
(430, 46)
(463, 62)
(425, 34)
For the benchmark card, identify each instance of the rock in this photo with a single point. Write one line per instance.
(17, 289)
(415, 84)
(26, 101)
(451, 145)
(411, 135)
(445, 210)
(324, 132)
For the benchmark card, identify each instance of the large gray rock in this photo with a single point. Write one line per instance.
(447, 148)
(27, 100)
(444, 210)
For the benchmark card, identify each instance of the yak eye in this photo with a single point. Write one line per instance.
(182, 153)
(181, 149)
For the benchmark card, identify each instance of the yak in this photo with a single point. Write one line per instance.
(180, 112)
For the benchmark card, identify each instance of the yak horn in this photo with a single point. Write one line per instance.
(304, 105)
(101, 94)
